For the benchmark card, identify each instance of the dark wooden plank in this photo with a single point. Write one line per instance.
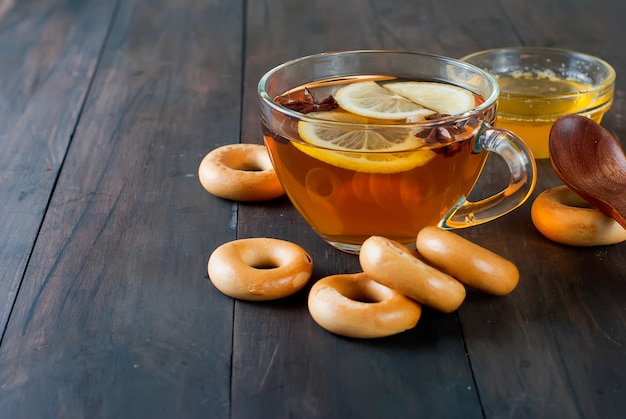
(298, 369)
(555, 347)
(116, 317)
(48, 52)
(528, 352)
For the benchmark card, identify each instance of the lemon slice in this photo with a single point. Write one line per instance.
(355, 138)
(441, 97)
(360, 147)
(370, 99)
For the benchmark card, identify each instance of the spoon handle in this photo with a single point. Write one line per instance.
(618, 212)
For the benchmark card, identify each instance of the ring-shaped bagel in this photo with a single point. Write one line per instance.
(564, 217)
(396, 266)
(354, 305)
(259, 269)
(466, 261)
(240, 172)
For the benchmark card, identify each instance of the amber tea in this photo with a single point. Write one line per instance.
(385, 143)
(348, 196)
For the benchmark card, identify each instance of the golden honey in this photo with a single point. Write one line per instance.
(530, 103)
(539, 84)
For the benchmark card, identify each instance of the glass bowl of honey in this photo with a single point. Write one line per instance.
(539, 84)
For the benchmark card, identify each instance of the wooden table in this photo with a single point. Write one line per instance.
(106, 310)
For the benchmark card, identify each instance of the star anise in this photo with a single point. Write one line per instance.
(444, 135)
(309, 103)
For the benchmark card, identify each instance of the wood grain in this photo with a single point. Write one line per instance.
(115, 316)
(107, 108)
(46, 60)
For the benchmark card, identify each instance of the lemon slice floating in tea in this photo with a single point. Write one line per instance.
(360, 147)
(368, 98)
(440, 97)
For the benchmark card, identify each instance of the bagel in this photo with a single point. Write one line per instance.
(468, 262)
(240, 172)
(564, 217)
(354, 305)
(259, 269)
(396, 266)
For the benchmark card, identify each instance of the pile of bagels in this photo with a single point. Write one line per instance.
(386, 298)
(383, 300)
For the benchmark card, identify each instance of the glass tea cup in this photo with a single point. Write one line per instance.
(540, 84)
(355, 176)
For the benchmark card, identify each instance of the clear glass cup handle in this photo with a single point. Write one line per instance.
(523, 172)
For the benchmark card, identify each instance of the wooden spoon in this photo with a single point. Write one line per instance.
(591, 162)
